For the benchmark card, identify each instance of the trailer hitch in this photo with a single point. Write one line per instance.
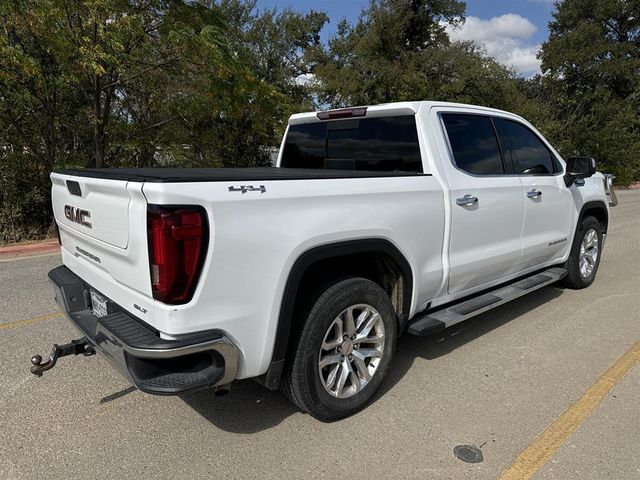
(75, 347)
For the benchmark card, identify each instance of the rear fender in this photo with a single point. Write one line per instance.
(285, 320)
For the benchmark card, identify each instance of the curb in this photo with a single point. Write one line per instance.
(26, 250)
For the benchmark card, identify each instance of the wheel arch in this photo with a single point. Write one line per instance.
(337, 252)
(596, 209)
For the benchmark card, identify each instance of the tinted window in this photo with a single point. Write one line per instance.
(474, 144)
(530, 156)
(375, 144)
(305, 146)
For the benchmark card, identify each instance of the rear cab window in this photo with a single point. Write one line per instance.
(385, 144)
(474, 143)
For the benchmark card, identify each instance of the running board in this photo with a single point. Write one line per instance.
(436, 321)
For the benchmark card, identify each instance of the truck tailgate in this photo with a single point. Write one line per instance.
(94, 207)
(103, 231)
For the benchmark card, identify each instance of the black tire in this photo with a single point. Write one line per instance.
(575, 279)
(302, 378)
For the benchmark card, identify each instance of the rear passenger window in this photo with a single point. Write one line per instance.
(529, 155)
(384, 144)
(474, 144)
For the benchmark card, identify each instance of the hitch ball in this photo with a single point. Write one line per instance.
(75, 347)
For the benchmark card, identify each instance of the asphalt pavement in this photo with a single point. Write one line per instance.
(536, 378)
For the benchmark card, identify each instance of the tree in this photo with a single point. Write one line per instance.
(120, 45)
(591, 67)
(38, 108)
(141, 83)
(97, 51)
(277, 47)
(399, 50)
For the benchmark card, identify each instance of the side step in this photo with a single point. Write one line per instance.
(437, 320)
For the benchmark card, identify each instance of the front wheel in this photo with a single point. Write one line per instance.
(585, 254)
(344, 350)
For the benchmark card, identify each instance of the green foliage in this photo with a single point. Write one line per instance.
(25, 211)
(591, 67)
(237, 115)
(399, 50)
(140, 83)
(212, 82)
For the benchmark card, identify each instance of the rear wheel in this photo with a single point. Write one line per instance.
(344, 350)
(585, 254)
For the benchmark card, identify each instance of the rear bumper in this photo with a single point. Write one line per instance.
(152, 364)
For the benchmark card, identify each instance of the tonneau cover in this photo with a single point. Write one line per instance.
(177, 175)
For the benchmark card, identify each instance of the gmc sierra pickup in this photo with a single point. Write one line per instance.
(406, 217)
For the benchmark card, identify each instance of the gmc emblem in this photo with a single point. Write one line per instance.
(77, 215)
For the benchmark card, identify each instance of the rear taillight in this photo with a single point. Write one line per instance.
(177, 239)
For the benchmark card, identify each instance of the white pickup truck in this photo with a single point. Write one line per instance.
(406, 217)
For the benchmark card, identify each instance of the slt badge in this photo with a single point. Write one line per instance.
(248, 188)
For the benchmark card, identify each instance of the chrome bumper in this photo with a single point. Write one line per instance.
(608, 189)
(152, 364)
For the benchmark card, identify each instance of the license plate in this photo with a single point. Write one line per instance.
(99, 305)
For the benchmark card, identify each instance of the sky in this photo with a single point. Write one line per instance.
(510, 30)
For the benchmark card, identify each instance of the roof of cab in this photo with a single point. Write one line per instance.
(396, 108)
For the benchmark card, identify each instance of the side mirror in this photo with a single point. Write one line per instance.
(579, 167)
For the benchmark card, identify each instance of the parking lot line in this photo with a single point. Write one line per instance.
(21, 323)
(549, 441)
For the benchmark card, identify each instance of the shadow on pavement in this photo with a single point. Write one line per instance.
(251, 408)
(248, 408)
(410, 347)
(118, 394)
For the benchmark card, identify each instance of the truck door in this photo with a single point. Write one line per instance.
(487, 205)
(548, 204)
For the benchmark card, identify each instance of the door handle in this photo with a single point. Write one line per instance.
(467, 200)
(534, 193)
